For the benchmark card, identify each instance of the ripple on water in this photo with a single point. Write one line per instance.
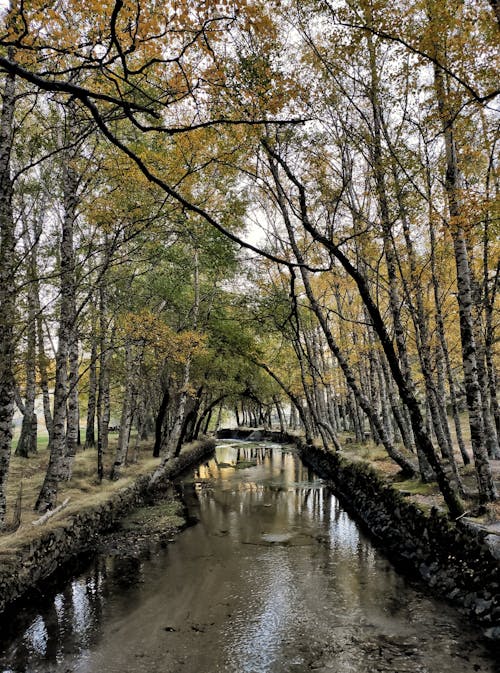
(275, 578)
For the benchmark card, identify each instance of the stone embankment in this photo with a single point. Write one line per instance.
(459, 560)
(43, 556)
(256, 435)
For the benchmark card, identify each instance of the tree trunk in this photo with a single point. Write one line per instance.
(448, 489)
(454, 186)
(43, 361)
(103, 411)
(7, 289)
(72, 423)
(171, 446)
(394, 296)
(126, 414)
(92, 395)
(281, 415)
(160, 419)
(443, 344)
(27, 443)
(61, 456)
(405, 464)
(208, 410)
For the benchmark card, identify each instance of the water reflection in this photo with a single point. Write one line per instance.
(275, 577)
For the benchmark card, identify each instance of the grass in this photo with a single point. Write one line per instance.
(83, 490)
(425, 495)
(156, 518)
(416, 487)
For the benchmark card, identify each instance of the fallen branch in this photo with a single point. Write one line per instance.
(50, 513)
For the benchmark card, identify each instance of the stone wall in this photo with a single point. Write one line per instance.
(45, 554)
(458, 560)
(257, 435)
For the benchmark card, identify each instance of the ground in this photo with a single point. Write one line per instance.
(26, 477)
(428, 495)
(84, 489)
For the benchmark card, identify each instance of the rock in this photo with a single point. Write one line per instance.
(493, 633)
(482, 606)
(493, 542)
(459, 560)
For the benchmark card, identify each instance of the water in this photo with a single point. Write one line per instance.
(275, 577)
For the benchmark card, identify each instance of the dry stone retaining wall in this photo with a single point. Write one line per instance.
(41, 558)
(459, 560)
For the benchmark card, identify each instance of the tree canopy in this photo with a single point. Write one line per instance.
(286, 209)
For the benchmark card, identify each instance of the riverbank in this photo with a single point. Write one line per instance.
(458, 560)
(31, 555)
(276, 576)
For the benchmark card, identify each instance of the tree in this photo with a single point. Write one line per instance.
(7, 292)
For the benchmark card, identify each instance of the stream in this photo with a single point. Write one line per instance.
(273, 577)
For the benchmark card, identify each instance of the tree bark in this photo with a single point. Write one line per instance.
(405, 464)
(126, 414)
(160, 420)
(171, 445)
(92, 394)
(454, 186)
(27, 443)
(7, 289)
(103, 410)
(448, 489)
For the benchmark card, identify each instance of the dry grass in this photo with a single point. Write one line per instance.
(426, 495)
(370, 453)
(83, 490)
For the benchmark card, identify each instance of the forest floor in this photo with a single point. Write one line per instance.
(83, 490)
(428, 495)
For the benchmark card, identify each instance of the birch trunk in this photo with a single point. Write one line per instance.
(209, 407)
(405, 464)
(447, 487)
(394, 296)
(60, 458)
(126, 414)
(309, 391)
(296, 407)
(42, 368)
(68, 307)
(443, 343)
(454, 187)
(160, 419)
(102, 408)
(490, 431)
(27, 443)
(281, 415)
(171, 446)
(388, 402)
(72, 422)
(436, 400)
(7, 289)
(489, 340)
(92, 395)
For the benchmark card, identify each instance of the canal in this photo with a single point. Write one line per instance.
(274, 576)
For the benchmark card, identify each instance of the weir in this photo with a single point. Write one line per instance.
(273, 576)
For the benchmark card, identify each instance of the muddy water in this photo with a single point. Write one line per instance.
(274, 577)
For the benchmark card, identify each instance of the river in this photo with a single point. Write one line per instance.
(274, 577)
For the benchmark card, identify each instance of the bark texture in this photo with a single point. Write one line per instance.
(7, 289)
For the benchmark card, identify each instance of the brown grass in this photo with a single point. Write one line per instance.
(426, 495)
(84, 490)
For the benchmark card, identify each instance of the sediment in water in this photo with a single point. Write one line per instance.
(42, 557)
(458, 560)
